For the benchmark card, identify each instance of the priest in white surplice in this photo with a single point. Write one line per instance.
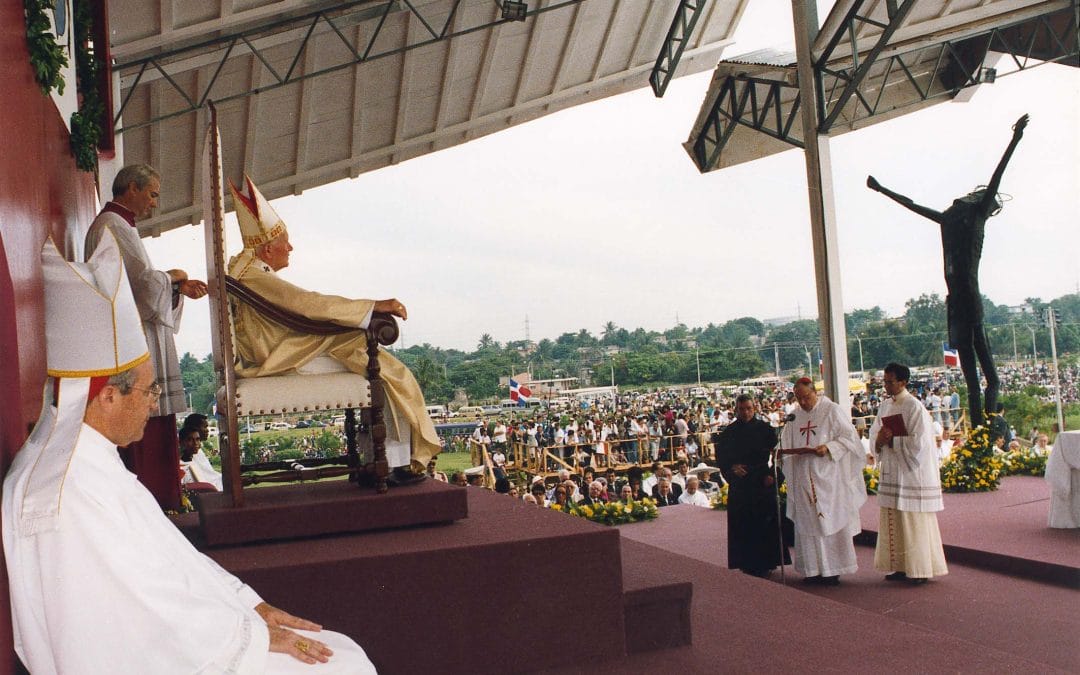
(909, 490)
(823, 462)
(100, 580)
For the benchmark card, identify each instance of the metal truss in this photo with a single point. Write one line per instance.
(682, 27)
(258, 40)
(853, 77)
(750, 101)
(770, 106)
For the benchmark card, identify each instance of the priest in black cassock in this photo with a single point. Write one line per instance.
(743, 452)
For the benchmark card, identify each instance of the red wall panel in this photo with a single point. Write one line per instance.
(41, 193)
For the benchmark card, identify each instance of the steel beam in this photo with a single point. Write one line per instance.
(300, 30)
(682, 27)
(934, 71)
(861, 64)
(822, 214)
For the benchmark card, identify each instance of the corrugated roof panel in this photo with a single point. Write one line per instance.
(387, 109)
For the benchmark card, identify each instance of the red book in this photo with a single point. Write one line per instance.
(895, 424)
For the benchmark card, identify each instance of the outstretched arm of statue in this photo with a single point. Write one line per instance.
(906, 202)
(995, 180)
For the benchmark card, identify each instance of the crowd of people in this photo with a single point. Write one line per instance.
(661, 483)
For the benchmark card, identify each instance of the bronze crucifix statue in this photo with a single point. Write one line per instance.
(962, 228)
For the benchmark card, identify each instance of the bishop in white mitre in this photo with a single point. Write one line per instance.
(100, 580)
(823, 460)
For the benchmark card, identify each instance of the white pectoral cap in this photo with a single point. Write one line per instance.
(259, 223)
(92, 326)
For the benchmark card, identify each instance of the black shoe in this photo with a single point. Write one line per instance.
(761, 574)
(812, 581)
(402, 476)
(917, 581)
(896, 576)
(830, 581)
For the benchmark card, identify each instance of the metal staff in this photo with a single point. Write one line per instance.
(776, 488)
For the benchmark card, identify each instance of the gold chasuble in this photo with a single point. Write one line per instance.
(268, 348)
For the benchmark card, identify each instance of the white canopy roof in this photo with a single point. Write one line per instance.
(347, 87)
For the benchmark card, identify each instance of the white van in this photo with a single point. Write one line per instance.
(436, 411)
(279, 426)
(471, 411)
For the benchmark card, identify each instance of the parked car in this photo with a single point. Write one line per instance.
(248, 428)
(305, 424)
(278, 426)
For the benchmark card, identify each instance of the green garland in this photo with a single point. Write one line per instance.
(48, 60)
(46, 56)
(85, 130)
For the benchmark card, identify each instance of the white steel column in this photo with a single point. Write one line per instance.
(822, 211)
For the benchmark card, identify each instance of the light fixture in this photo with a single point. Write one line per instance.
(514, 10)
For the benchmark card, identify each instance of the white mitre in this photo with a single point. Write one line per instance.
(259, 222)
(92, 329)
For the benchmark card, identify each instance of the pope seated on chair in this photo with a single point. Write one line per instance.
(265, 347)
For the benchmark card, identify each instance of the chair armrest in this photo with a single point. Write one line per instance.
(382, 326)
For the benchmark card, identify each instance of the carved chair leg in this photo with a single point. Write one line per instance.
(351, 431)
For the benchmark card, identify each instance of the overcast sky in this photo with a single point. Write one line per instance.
(597, 214)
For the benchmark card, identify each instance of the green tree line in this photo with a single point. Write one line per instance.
(737, 349)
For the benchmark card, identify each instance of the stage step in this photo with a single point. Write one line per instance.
(656, 600)
(283, 512)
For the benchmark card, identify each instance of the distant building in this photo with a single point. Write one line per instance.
(780, 321)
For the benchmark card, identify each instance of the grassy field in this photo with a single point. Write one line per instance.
(449, 462)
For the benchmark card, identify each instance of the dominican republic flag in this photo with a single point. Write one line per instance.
(519, 393)
(952, 357)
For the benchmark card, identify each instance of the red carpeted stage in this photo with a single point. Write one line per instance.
(514, 588)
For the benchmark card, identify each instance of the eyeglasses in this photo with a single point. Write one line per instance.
(153, 392)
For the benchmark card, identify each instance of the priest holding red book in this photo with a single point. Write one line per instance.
(909, 492)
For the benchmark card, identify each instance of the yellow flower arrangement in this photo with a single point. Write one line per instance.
(872, 477)
(973, 467)
(1024, 462)
(719, 501)
(617, 512)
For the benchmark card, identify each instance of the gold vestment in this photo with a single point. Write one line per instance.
(265, 347)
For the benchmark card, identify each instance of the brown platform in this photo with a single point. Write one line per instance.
(656, 600)
(976, 619)
(511, 588)
(1002, 531)
(514, 588)
(322, 508)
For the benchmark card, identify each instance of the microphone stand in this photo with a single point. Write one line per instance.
(776, 493)
(779, 518)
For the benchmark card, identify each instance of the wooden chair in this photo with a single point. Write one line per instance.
(238, 397)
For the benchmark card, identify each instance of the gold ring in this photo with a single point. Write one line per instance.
(303, 645)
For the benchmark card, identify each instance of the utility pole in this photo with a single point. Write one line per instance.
(861, 366)
(1051, 321)
(697, 357)
(1034, 352)
(776, 357)
(1016, 355)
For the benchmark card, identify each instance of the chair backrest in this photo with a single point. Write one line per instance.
(221, 338)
